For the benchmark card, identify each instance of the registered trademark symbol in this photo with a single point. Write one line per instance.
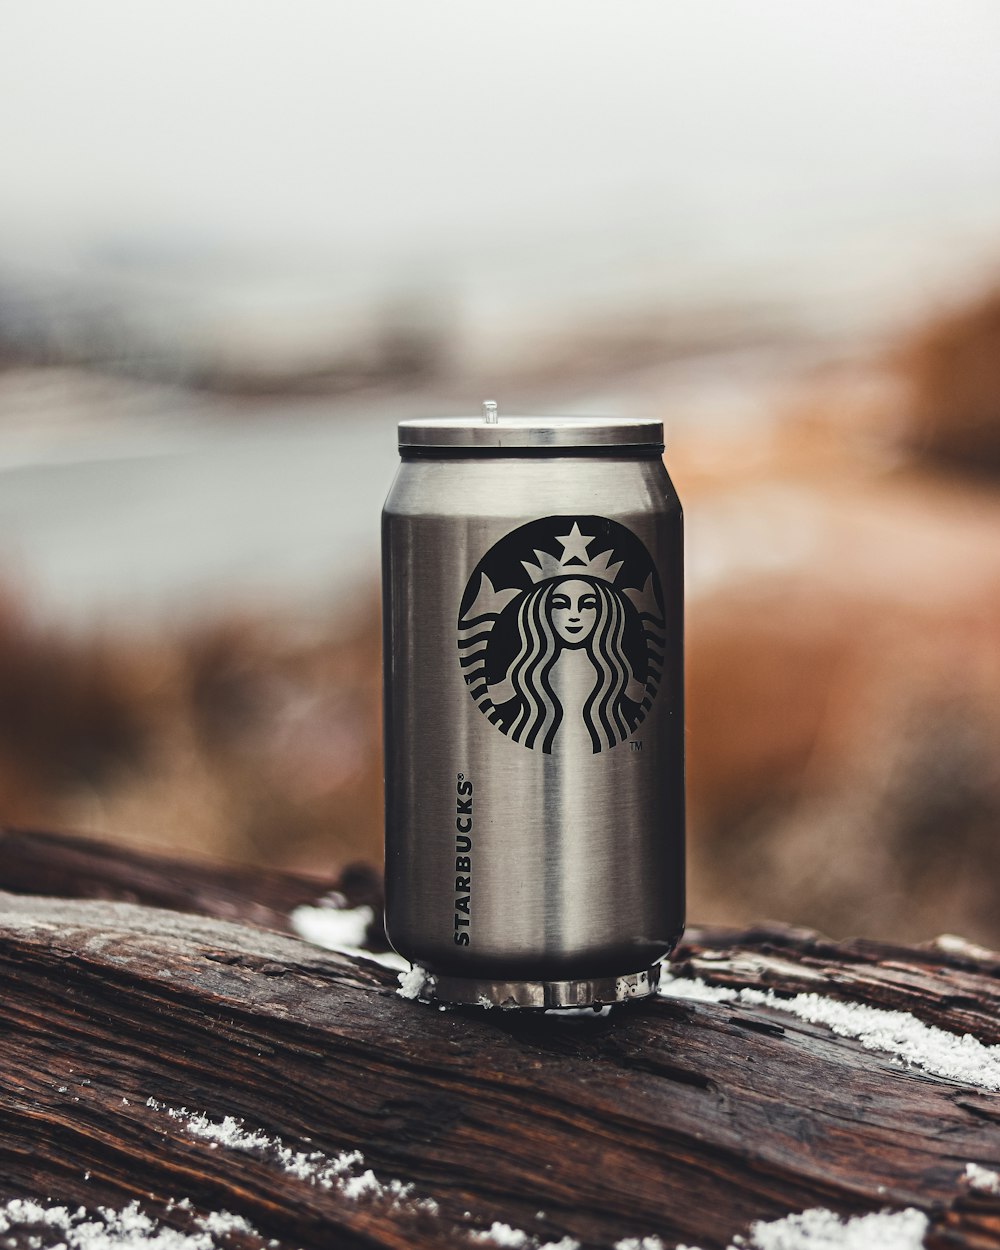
(636, 745)
(461, 776)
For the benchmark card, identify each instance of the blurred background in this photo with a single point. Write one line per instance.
(239, 242)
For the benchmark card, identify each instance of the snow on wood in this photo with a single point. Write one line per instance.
(345, 1173)
(499, 1234)
(984, 1180)
(897, 1033)
(819, 1229)
(412, 982)
(660, 1124)
(951, 944)
(344, 930)
(332, 927)
(33, 1223)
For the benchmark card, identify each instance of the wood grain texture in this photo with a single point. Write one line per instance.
(74, 866)
(682, 1119)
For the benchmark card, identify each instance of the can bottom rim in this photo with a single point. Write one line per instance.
(595, 992)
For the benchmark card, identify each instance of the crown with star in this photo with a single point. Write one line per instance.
(575, 559)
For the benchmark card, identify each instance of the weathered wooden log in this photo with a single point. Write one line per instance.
(73, 866)
(202, 1065)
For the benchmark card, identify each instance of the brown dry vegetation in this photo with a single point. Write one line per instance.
(844, 705)
(955, 366)
(844, 679)
(232, 739)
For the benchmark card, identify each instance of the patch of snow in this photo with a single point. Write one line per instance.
(219, 1223)
(342, 1173)
(343, 930)
(516, 1239)
(128, 1229)
(503, 1235)
(412, 982)
(332, 927)
(697, 990)
(981, 1179)
(345, 1174)
(961, 1058)
(818, 1229)
(644, 1243)
(951, 944)
(387, 959)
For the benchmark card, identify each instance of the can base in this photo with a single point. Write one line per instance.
(595, 992)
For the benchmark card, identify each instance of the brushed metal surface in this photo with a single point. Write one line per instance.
(530, 432)
(577, 856)
(542, 995)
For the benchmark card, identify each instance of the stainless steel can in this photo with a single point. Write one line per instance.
(534, 728)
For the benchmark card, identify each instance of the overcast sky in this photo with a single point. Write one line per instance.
(349, 124)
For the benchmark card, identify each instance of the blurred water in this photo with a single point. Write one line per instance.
(126, 503)
(187, 513)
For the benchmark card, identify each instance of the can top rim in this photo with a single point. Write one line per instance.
(512, 432)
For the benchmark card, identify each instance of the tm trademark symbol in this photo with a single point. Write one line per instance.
(636, 746)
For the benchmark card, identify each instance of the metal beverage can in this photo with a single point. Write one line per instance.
(533, 709)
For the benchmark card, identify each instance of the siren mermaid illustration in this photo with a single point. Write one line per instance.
(549, 663)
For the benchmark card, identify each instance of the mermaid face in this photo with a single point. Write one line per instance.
(573, 611)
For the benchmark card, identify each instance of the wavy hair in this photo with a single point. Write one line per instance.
(603, 713)
(540, 713)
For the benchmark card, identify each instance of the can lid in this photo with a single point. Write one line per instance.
(505, 433)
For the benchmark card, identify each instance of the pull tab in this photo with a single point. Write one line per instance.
(491, 416)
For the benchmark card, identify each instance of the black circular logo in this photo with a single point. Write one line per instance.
(561, 633)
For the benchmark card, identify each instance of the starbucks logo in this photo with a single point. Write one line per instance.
(561, 634)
